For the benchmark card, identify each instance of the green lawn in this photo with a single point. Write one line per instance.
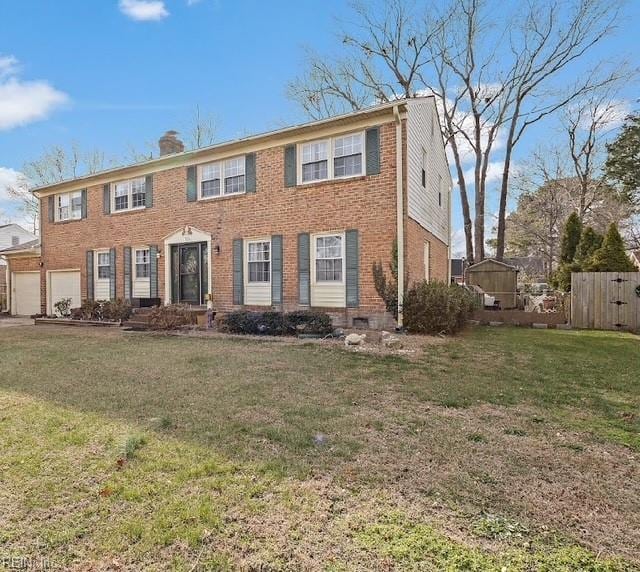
(501, 449)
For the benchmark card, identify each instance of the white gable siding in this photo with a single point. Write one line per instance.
(11, 230)
(423, 139)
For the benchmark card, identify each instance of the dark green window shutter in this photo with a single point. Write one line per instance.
(276, 269)
(192, 184)
(84, 203)
(304, 270)
(290, 178)
(148, 191)
(112, 274)
(372, 146)
(250, 173)
(126, 262)
(352, 254)
(51, 208)
(90, 287)
(153, 271)
(106, 199)
(238, 278)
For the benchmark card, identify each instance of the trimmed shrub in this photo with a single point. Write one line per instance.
(171, 317)
(309, 322)
(276, 323)
(116, 310)
(436, 308)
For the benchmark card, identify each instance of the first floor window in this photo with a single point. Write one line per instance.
(259, 259)
(69, 206)
(315, 161)
(104, 265)
(142, 263)
(347, 155)
(329, 258)
(130, 194)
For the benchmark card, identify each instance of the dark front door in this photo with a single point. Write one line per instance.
(189, 273)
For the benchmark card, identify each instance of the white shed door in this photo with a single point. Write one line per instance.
(64, 284)
(26, 293)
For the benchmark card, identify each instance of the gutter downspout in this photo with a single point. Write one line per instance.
(399, 214)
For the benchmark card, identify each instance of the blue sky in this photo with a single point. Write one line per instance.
(115, 74)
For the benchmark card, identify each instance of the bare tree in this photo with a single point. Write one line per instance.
(494, 73)
(201, 129)
(54, 165)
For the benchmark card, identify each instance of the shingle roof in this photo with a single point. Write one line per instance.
(31, 245)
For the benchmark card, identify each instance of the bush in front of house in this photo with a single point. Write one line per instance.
(276, 323)
(436, 308)
(171, 317)
(99, 310)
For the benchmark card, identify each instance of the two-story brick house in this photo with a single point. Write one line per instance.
(289, 219)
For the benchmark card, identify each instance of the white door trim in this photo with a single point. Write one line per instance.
(184, 236)
(49, 272)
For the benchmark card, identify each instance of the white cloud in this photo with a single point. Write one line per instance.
(8, 66)
(23, 102)
(10, 178)
(458, 243)
(144, 10)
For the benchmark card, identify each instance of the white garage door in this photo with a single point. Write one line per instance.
(64, 284)
(26, 293)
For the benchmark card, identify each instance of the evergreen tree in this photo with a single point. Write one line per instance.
(570, 238)
(623, 164)
(590, 241)
(611, 257)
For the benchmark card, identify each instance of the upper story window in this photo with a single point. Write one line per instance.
(329, 258)
(69, 206)
(259, 261)
(15, 240)
(332, 158)
(142, 263)
(222, 178)
(128, 195)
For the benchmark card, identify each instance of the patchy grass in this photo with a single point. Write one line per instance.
(501, 448)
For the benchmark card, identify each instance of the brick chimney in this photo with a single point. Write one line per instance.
(170, 144)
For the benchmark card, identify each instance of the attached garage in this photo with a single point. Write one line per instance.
(25, 290)
(63, 284)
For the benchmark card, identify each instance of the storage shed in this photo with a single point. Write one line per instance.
(497, 279)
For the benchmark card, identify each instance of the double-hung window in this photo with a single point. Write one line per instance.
(329, 258)
(104, 265)
(142, 263)
(69, 206)
(222, 178)
(128, 195)
(347, 155)
(334, 158)
(259, 261)
(315, 161)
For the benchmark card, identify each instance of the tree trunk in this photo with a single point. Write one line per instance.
(504, 188)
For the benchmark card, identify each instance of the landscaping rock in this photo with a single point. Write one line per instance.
(354, 339)
(496, 323)
(563, 327)
(540, 326)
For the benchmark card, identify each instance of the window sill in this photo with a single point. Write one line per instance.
(128, 211)
(221, 197)
(68, 220)
(334, 181)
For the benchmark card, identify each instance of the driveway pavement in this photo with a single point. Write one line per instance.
(8, 322)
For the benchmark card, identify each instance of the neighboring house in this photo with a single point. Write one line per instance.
(635, 258)
(458, 268)
(10, 235)
(291, 219)
(23, 278)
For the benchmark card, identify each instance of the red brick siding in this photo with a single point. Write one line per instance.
(364, 203)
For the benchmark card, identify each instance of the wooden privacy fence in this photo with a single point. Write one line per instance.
(605, 300)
